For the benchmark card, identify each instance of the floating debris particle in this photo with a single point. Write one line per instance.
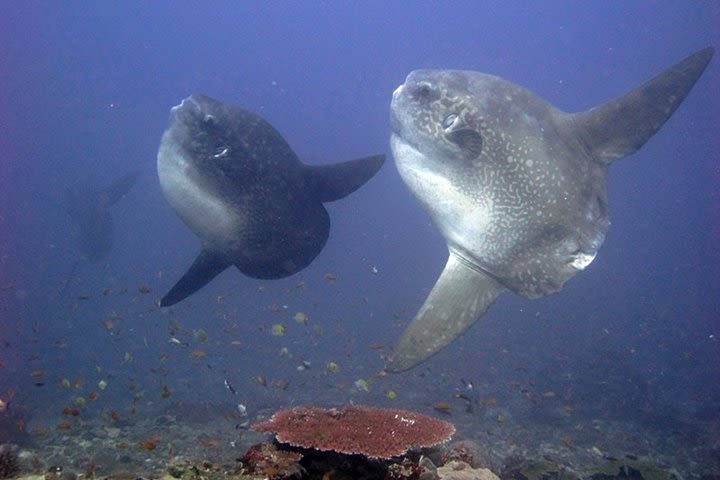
(330, 277)
(71, 411)
(166, 392)
(443, 407)
(278, 330)
(301, 317)
(144, 289)
(175, 341)
(102, 384)
(362, 384)
(332, 367)
(198, 354)
(150, 444)
(391, 395)
(201, 335)
(65, 383)
(80, 401)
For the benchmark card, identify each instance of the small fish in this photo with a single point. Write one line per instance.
(175, 341)
(229, 386)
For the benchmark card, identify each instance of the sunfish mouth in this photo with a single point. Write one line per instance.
(395, 123)
(188, 102)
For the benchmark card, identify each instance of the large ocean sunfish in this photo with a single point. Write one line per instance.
(88, 207)
(516, 187)
(237, 184)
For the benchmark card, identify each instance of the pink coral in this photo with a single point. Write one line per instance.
(373, 432)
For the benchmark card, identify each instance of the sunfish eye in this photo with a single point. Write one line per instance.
(424, 91)
(221, 152)
(449, 121)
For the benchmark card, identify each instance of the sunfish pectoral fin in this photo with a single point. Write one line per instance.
(118, 189)
(457, 300)
(206, 266)
(336, 181)
(620, 127)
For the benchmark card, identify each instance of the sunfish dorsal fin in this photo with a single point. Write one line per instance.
(459, 297)
(336, 181)
(620, 127)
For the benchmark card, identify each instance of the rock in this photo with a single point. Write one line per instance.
(457, 470)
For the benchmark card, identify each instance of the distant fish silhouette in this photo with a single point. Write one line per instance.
(88, 210)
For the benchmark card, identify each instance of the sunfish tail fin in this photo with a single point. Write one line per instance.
(460, 296)
(206, 266)
(336, 181)
(118, 189)
(620, 127)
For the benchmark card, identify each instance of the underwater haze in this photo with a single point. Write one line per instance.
(623, 363)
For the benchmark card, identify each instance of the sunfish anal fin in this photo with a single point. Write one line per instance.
(457, 300)
(206, 266)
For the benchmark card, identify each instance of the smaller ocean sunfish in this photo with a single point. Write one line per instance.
(237, 184)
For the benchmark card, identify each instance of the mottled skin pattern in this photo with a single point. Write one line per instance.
(516, 187)
(527, 204)
(236, 183)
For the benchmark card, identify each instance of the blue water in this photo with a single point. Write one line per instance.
(85, 93)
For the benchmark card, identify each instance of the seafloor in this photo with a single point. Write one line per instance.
(207, 441)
